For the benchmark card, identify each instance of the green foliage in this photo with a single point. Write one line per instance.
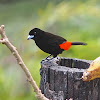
(74, 20)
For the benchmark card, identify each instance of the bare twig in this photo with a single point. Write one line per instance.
(5, 41)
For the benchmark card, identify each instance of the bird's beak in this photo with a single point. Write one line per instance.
(30, 37)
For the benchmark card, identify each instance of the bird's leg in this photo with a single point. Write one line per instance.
(48, 56)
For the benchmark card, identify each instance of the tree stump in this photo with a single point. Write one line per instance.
(60, 80)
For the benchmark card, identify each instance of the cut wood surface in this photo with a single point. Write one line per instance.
(60, 80)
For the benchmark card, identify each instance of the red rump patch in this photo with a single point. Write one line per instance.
(66, 45)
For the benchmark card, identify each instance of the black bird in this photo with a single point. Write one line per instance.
(50, 43)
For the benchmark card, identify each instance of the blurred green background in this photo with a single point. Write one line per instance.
(75, 20)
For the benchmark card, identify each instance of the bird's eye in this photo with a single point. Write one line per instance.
(35, 32)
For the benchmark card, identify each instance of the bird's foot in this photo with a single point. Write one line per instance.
(55, 59)
(47, 59)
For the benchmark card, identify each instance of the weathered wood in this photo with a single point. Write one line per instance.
(60, 80)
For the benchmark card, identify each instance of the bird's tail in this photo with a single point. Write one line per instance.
(78, 43)
(66, 45)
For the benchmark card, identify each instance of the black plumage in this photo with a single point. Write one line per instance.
(49, 42)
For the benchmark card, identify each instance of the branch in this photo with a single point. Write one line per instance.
(14, 51)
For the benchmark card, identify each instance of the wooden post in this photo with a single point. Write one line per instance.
(60, 80)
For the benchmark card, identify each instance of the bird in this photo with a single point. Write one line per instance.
(50, 43)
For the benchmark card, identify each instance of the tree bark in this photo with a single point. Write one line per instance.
(60, 80)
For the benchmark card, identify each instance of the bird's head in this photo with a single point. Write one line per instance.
(34, 33)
